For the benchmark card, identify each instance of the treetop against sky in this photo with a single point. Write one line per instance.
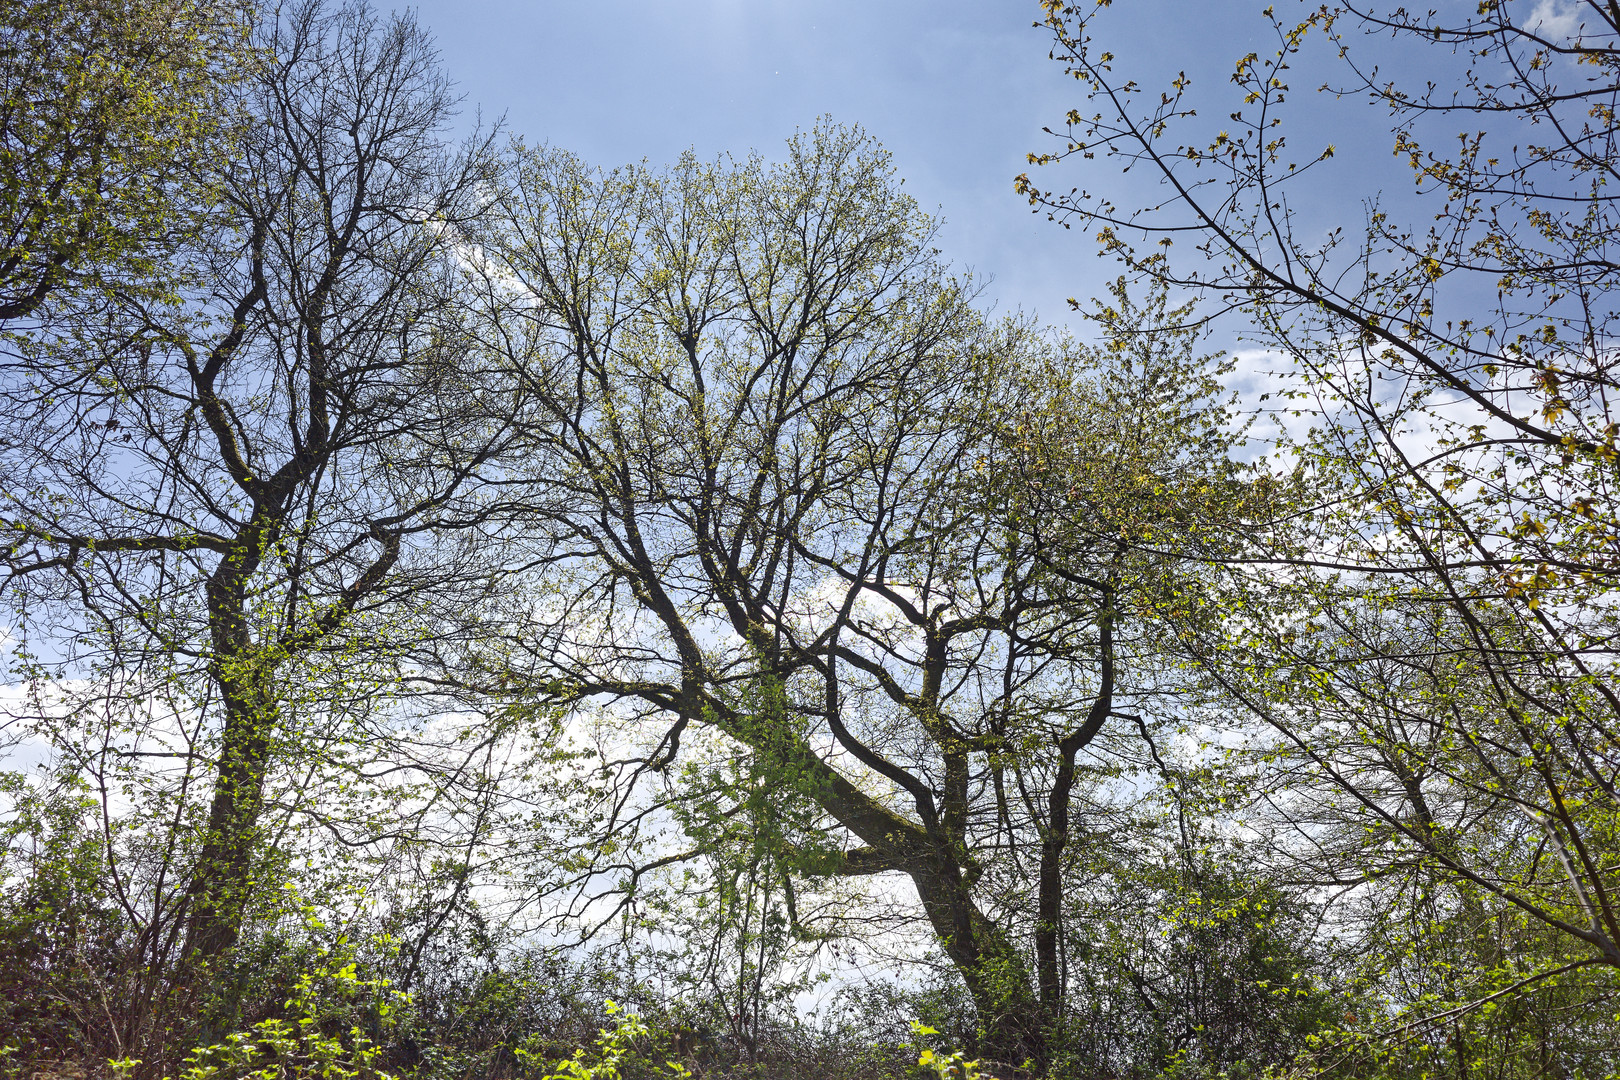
(452, 538)
(958, 90)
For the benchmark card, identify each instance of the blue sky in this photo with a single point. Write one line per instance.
(958, 90)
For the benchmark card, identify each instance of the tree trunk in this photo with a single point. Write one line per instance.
(1055, 837)
(222, 880)
(1049, 897)
(997, 978)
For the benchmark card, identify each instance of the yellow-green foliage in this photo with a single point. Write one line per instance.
(318, 1038)
(614, 1055)
(947, 1065)
(105, 109)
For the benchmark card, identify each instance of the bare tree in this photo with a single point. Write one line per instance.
(236, 511)
(783, 450)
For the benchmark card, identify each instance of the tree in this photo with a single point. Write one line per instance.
(234, 510)
(1120, 482)
(1432, 631)
(1191, 961)
(780, 442)
(106, 107)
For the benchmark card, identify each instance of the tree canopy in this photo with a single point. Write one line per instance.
(451, 583)
(1440, 661)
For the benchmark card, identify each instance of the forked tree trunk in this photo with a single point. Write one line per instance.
(996, 976)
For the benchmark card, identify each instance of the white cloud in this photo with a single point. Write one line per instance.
(1554, 19)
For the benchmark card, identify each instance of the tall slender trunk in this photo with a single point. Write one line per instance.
(1055, 836)
(1049, 893)
(222, 878)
